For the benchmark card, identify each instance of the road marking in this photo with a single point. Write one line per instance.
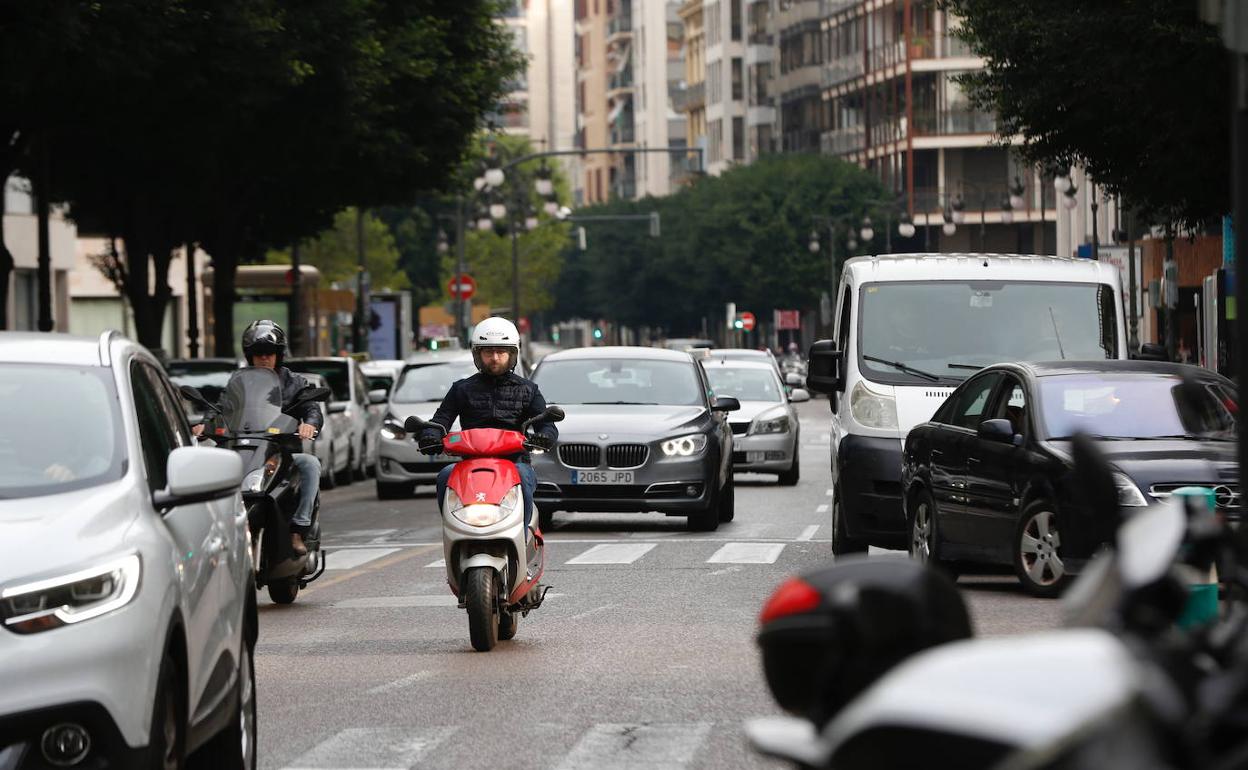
(587, 613)
(669, 746)
(390, 602)
(357, 557)
(614, 553)
(809, 532)
(823, 508)
(372, 747)
(385, 534)
(419, 549)
(439, 563)
(398, 684)
(747, 553)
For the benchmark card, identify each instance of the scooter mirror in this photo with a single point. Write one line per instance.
(313, 394)
(192, 394)
(415, 424)
(1148, 542)
(554, 414)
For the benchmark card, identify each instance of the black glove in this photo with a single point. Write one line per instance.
(429, 444)
(538, 441)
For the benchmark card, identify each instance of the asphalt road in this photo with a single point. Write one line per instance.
(642, 657)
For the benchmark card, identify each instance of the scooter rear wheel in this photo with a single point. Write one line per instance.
(481, 599)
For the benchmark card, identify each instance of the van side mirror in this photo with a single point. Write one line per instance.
(823, 373)
(1151, 351)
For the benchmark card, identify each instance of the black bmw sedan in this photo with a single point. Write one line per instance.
(989, 478)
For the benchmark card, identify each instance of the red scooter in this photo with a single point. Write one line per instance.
(493, 564)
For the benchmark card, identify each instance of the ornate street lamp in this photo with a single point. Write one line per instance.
(905, 227)
(867, 232)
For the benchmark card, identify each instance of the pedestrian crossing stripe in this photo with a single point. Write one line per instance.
(612, 553)
(369, 748)
(747, 553)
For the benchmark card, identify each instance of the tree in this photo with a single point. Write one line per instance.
(1134, 91)
(335, 253)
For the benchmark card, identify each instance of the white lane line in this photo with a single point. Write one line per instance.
(587, 613)
(669, 746)
(823, 508)
(614, 553)
(356, 557)
(747, 553)
(441, 563)
(399, 684)
(388, 602)
(381, 748)
(559, 541)
(809, 532)
(385, 534)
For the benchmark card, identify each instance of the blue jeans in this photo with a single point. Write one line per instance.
(309, 470)
(528, 484)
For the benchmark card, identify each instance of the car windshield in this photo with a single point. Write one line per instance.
(949, 329)
(619, 381)
(1140, 406)
(430, 383)
(335, 373)
(62, 430)
(744, 384)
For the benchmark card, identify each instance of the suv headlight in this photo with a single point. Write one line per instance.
(69, 599)
(873, 410)
(774, 425)
(393, 429)
(684, 446)
(1129, 495)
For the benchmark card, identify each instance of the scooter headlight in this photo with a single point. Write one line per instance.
(73, 598)
(511, 501)
(480, 514)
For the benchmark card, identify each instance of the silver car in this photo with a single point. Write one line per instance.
(766, 431)
(332, 445)
(127, 597)
(417, 393)
(643, 432)
(353, 399)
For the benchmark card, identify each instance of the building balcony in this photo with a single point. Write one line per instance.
(693, 97)
(843, 141)
(760, 37)
(829, 7)
(886, 55)
(620, 80)
(625, 187)
(622, 131)
(959, 121)
(841, 70)
(619, 26)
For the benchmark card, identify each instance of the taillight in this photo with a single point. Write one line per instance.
(792, 597)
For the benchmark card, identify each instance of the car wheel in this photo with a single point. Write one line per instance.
(234, 748)
(842, 543)
(283, 592)
(728, 498)
(1037, 545)
(329, 480)
(166, 746)
(545, 518)
(707, 519)
(789, 478)
(359, 471)
(925, 534)
(387, 490)
(344, 476)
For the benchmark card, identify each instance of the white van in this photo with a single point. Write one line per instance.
(910, 327)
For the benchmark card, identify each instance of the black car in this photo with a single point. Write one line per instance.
(989, 478)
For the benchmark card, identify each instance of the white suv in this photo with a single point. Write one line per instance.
(127, 607)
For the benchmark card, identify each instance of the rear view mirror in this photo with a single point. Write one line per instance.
(1000, 430)
(415, 424)
(823, 373)
(799, 395)
(1151, 351)
(725, 404)
(377, 396)
(555, 414)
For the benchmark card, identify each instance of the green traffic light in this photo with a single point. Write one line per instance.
(597, 334)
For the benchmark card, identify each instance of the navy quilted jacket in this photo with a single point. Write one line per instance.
(483, 401)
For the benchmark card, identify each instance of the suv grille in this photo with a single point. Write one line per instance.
(580, 455)
(627, 455)
(740, 428)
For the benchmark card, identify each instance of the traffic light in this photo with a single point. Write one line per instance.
(737, 323)
(597, 333)
(433, 344)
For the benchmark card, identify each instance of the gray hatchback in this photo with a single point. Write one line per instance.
(643, 433)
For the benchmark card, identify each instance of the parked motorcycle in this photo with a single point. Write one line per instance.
(493, 562)
(876, 662)
(249, 420)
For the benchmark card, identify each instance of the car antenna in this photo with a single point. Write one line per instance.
(1061, 351)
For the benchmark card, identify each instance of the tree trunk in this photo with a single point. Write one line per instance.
(6, 259)
(225, 271)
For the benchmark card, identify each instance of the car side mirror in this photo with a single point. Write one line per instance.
(1151, 351)
(823, 372)
(337, 408)
(377, 396)
(199, 474)
(1000, 430)
(725, 404)
(799, 395)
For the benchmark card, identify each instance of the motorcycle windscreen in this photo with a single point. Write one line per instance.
(484, 442)
(252, 403)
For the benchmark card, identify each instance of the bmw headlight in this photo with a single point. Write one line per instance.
(684, 446)
(873, 410)
(1129, 495)
(392, 429)
(774, 425)
(69, 599)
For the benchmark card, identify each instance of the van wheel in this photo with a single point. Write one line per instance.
(234, 748)
(1037, 542)
(166, 746)
(842, 543)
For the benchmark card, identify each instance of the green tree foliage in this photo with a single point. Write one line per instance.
(335, 252)
(741, 237)
(1137, 92)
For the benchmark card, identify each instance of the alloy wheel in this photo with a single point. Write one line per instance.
(921, 534)
(1038, 550)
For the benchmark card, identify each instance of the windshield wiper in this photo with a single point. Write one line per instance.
(899, 366)
(620, 403)
(1095, 437)
(972, 367)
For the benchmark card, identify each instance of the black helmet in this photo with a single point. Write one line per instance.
(262, 338)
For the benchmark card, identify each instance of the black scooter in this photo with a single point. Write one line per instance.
(249, 420)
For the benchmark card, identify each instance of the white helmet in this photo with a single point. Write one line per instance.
(496, 333)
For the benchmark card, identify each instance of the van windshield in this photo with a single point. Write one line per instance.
(949, 329)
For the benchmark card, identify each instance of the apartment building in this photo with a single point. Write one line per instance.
(592, 181)
(21, 237)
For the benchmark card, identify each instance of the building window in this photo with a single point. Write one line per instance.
(735, 6)
(715, 140)
(738, 138)
(715, 82)
(26, 300)
(738, 86)
(712, 24)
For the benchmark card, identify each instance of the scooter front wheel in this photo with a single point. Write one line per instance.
(481, 599)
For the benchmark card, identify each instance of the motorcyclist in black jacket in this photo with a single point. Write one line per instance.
(494, 397)
(264, 345)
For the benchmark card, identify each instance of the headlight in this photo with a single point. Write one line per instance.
(510, 501)
(684, 446)
(480, 515)
(1129, 494)
(872, 410)
(774, 425)
(393, 430)
(69, 599)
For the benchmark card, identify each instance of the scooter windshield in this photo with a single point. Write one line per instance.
(252, 403)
